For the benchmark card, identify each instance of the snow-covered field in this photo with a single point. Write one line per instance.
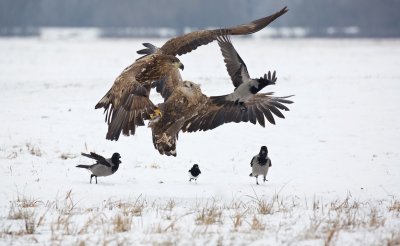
(335, 177)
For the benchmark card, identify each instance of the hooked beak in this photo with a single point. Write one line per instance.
(181, 66)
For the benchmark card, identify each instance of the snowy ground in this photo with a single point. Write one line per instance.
(335, 177)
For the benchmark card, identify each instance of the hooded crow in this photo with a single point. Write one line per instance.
(194, 172)
(245, 87)
(260, 164)
(103, 166)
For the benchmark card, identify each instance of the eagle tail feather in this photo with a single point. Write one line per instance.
(126, 119)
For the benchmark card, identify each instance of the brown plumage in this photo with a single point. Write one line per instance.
(188, 42)
(259, 107)
(181, 105)
(127, 103)
(189, 110)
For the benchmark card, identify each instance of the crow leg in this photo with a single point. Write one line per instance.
(91, 176)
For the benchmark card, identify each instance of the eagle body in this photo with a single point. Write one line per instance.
(127, 103)
(189, 110)
(183, 103)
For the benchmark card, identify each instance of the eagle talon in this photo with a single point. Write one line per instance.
(156, 114)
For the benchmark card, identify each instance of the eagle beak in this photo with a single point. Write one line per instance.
(181, 66)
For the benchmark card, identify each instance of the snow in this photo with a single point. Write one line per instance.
(334, 157)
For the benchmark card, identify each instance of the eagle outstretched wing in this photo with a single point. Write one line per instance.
(186, 43)
(259, 107)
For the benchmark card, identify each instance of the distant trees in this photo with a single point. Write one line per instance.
(372, 17)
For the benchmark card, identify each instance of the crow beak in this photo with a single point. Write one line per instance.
(181, 66)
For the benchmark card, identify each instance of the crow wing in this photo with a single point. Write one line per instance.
(259, 107)
(235, 65)
(99, 159)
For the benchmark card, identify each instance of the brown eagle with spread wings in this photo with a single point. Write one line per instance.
(189, 110)
(186, 108)
(127, 104)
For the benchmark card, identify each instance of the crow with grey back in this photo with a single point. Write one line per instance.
(260, 164)
(245, 87)
(102, 167)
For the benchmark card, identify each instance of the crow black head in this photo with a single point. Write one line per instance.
(115, 158)
(264, 151)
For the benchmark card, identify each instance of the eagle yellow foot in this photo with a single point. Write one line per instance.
(156, 114)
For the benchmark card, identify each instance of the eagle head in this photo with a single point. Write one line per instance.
(175, 62)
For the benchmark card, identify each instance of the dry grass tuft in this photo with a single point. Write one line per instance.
(68, 205)
(134, 208)
(122, 223)
(394, 206)
(209, 215)
(256, 224)
(237, 219)
(29, 216)
(331, 232)
(115, 221)
(375, 219)
(394, 239)
(170, 205)
(25, 202)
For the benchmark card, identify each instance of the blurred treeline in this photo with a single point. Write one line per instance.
(373, 18)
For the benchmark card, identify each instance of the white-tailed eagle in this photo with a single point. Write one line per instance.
(189, 110)
(127, 103)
